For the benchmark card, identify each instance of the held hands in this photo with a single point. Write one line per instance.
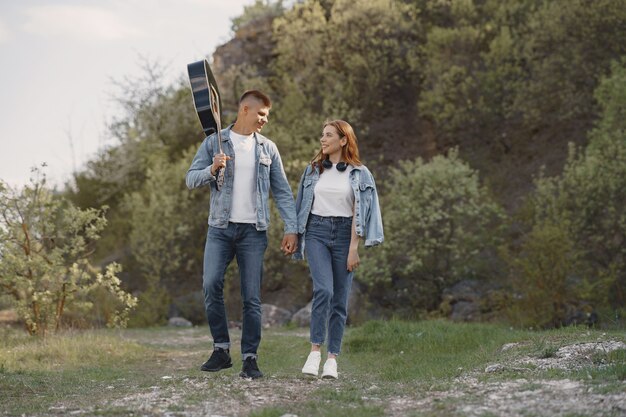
(289, 244)
(219, 161)
(353, 259)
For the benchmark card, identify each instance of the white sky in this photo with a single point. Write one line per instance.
(58, 58)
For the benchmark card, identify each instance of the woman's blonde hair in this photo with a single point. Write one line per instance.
(349, 152)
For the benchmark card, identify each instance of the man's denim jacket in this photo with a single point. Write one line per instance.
(270, 174)
(368, 220)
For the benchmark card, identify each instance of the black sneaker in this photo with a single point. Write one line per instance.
(220, 359)
(250, 369)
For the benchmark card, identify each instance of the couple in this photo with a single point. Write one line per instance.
(337, 205)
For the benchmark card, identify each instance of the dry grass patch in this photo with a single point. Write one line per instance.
(66, 351)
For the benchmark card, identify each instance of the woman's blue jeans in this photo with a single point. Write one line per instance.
(327, 243)
(222, 245)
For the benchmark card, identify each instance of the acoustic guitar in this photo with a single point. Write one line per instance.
(206, 100)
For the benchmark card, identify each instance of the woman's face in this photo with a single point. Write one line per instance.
(331, 141)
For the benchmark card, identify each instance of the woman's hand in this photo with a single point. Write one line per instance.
(289, 244)
(353, 259)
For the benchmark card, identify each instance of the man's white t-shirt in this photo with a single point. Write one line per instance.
(333, 195)
(243, 204)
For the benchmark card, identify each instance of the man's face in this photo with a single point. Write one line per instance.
(255, 116)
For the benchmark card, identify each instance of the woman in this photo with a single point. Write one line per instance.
(337, 205)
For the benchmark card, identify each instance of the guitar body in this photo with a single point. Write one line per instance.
(202, 81)
(206, 100)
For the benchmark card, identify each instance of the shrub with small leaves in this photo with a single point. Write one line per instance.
(441, 226)
(45, 243)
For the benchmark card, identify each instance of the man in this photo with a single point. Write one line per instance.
(238, 220)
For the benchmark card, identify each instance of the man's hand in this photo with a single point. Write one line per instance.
(289, 244)
(219, 161)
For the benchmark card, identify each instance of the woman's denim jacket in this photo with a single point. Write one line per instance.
(369, 223)
(270, 175)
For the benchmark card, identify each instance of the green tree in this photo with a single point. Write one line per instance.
(260, 9)
(586, 205)
(166, 237)
(156, 120)
(505, 78)
(45, 243)
(157, 124)
(566, 51)
(441, 226)
(357, 61)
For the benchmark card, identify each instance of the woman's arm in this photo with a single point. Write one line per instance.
(353, 253)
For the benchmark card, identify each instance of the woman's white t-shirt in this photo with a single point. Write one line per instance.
(333, 196)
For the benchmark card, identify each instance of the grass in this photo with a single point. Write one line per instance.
(68, 351)
(608, 373)
(112, 373)
(425, 350)
(74, 368)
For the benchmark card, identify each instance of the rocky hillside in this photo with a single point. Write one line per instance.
(511, 99)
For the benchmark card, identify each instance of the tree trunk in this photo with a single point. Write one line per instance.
(60, 307)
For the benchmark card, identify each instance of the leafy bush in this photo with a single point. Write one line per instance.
(440, 227)
(543, 277)
(45, 243)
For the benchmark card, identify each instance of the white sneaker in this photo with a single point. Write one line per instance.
(312, 365)
(330, 369)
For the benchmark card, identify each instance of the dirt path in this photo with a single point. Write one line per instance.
(516, 385)
(508, 388)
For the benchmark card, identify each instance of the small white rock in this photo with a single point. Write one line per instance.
(496, 367)
(508, 346)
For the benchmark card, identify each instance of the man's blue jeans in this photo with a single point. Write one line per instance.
(222, 245)
(327, 243)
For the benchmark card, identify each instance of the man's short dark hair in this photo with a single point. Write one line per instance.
(258, 95)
